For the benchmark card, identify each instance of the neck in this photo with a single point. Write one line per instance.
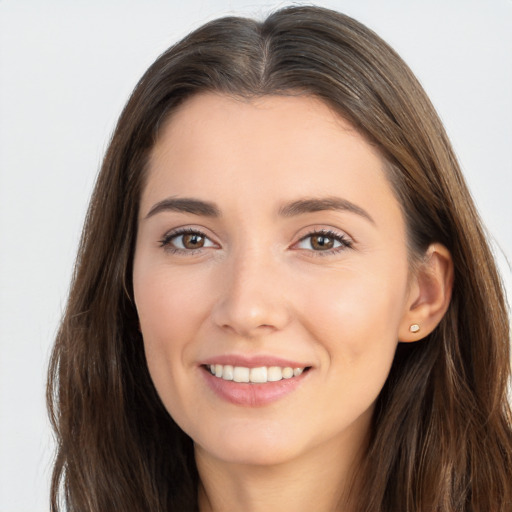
(319, 480)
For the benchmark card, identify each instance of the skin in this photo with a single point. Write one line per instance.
(259, 287)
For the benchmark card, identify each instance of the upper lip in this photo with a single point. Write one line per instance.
(254, 361)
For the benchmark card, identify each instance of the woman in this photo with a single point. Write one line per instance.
(283, 296)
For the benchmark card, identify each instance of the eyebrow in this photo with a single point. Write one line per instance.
(310, 205)
(185, 205)
(298, 207)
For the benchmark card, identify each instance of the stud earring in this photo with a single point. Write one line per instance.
(414, 328)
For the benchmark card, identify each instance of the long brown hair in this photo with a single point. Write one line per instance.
(441, 438)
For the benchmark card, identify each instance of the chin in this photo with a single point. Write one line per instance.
(257, 448)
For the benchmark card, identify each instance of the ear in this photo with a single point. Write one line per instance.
(429, 295)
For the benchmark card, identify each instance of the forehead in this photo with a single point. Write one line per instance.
(248, 116)
(268, 149)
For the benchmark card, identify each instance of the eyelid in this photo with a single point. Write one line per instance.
(345, 241)
(166, 241)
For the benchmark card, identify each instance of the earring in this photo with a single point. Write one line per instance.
(414, 328)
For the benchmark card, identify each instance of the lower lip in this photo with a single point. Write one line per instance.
(252, 395)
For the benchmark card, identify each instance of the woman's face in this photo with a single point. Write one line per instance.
(269, 239)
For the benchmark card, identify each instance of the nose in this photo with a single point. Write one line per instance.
(253, 300)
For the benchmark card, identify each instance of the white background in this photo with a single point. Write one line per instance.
(66, 69)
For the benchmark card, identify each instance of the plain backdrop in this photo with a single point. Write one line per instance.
(66, 69)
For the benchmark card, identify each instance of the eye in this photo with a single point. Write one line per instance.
(186, 240)
(324, 241)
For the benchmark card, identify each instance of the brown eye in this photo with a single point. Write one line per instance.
(192, 241)
(322, 242)
(186, 241)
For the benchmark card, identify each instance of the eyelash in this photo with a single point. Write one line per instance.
(166, 241)
(345, 243)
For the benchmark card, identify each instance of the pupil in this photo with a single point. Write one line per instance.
(193, 241)
(322, 242)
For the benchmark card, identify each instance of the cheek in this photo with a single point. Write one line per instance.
(169, 304)
(170, 307)
(357, 331)
(355, 315)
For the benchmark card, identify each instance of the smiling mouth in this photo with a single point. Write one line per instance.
(259, 375)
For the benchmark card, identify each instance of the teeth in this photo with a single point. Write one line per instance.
(258, 375)
(287, 373)
(274, 374)
(227, 372)
(240, 374)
